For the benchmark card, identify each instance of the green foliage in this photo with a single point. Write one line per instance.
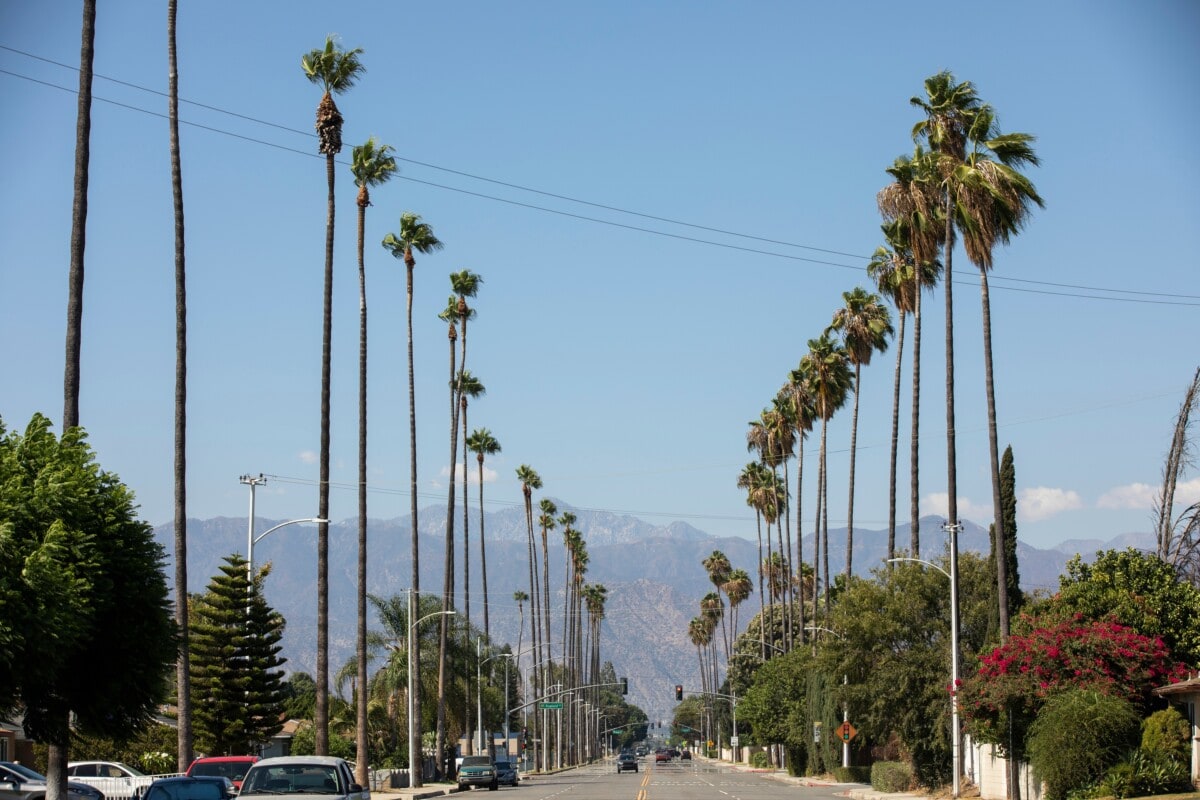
(81, 585)
(1167, 732)
(1138, 590)
(304, 743)
(237, 684)
(776, 704)
(300, 696)
(760, 760)
(852, 774)
(1143, 774)
(1078, 736)
(891, 776)
(1029, 670)
(144, 750)
(824, 706)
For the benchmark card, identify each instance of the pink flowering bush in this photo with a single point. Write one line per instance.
(1072, 654)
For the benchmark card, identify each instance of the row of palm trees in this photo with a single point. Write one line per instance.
(963, 181)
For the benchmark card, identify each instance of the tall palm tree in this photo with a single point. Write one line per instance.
(482, 443)
(718, 568)
(530, 481)
(183, 694)
(371, 164)
(737, 588)
(910, 203)
(335, 70)
(797, 393)
(751, 478)
(829, 372)
(521, 598)
(547, 522)
(467, 386)
(865, 325)
(415, 236)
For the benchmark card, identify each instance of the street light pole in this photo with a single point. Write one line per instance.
(414, 773)
(251, 539)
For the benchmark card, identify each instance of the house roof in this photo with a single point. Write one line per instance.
(1189, 686)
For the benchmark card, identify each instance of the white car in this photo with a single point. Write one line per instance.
(301, 777)
(19, 782)
(114, 779)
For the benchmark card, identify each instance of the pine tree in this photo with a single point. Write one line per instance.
(237, 684)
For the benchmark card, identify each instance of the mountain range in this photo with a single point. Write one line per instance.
(653, 573)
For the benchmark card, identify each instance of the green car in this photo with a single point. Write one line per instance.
(478, 771)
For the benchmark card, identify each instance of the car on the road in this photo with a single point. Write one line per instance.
(113, 778)
(478, 771)
(19, 782)
(661, 755)
(232, 767)
(182, 787)
(301, 777)
(627, 762)
(506, 773)
(685, 755)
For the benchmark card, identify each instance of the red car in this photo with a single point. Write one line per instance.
(661, 755)
(232, 767)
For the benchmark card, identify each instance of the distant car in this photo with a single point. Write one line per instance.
(685, 755)
(301, 777)
(627, 762)
(661, 755)
(19, 782)
(182, 787)
(232, 767)
(111, 777)
(506, 773)
(478, 771)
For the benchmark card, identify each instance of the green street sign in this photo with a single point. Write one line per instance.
(550, 706)
(618, 731)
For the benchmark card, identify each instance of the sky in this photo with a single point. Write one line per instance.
(665, 200)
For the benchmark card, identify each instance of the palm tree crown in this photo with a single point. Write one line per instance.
(414, 235)
(372, 164)
(335, 70)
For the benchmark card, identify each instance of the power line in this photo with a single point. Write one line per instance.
(1175, 297)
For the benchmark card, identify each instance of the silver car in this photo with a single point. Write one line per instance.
(19, 782)
(301, 777)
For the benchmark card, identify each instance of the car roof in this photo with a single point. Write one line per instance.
(286, 760)
(224, 759)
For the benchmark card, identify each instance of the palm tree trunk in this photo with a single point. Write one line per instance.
(487, 631)
(360, 770)
(951, 437)
(853, 448)
(183, 691)
(448, 560)
(825, 515)
(914, 492)
(762, 608)
(321, 714)
(79, 209)
(891, 545)
(993, 444)
(817, 531)
(800, 536)
(414, 645)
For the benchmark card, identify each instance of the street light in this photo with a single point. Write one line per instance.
(956, 755)
(251, 539)
(414, 774)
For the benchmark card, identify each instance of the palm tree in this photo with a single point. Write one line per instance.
(336, 71)
(802, 415)
(547, 522)
(530, 480)
(466, 386)
(183, 702)
(417, 236)
(482, 443)
(737, 588)
(371, 164)
(718, 568)
(751, 478)
(865, 325)
(831, 382)
(521, 598)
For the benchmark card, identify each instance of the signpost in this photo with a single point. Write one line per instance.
(550, 706)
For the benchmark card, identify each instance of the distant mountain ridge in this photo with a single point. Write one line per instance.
(653, 573)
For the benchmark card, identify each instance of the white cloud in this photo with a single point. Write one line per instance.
(938, 503)
(308, 457)
(1042, 502)
(1187, 492)
(489, 474)
(1135, 495)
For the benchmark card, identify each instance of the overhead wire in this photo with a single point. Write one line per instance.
(1138, 295)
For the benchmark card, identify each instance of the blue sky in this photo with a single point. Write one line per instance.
(623, 353)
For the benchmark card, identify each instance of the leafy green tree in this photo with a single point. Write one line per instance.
(236, 675)
(1008, 508)
(81, 583)
(300, 696)
(1080, 734)
(776, 706)
(1138, 590)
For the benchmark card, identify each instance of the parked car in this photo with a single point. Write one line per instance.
(685, 755)
(183, 787)
(302, 777)
(478, 771)
(232, 767)
(506, 773)
(661, 755)
(19, 782)
(627, 762)
(115, 779)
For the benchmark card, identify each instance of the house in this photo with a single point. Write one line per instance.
(1186, 694)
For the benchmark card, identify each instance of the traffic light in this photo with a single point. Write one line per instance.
(624, 685)
(679, 691)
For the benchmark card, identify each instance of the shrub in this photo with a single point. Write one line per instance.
(852, 774)
(891, 776)
(1167, 732)
(1145, 773)
(760, 760)
(1078, 736)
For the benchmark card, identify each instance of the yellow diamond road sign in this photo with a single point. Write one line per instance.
(846, 731)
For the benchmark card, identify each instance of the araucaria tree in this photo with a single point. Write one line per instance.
(237, 678)
(335, 70)
(87, 642)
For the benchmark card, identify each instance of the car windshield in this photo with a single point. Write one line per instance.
(292, 779)
(25, 771)
(186, 790)
(234, 770)
(116, 769)
(477, 761)
(503, 765)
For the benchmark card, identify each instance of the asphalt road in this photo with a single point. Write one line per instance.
(674, 780)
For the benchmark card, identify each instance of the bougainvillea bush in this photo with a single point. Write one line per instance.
(1052, 658)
